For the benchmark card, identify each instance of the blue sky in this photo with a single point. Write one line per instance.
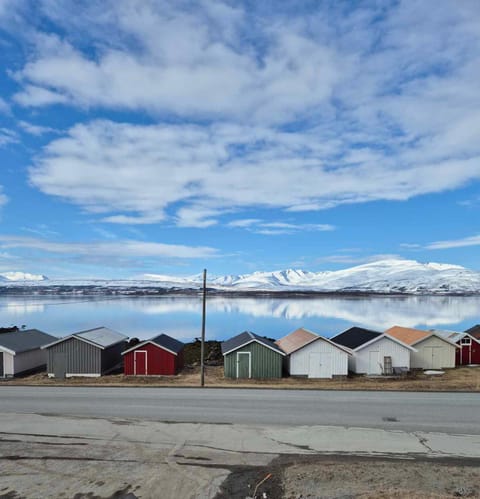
(152, 137)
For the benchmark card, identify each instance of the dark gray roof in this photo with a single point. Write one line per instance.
(23, 341)
(474, 331)
(355, 337)
(246, 337)
(165, 341)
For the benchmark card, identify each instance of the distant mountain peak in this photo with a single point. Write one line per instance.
(21, 276)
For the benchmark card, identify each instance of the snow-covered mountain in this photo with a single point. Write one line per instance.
(21, 276)
(385, 276)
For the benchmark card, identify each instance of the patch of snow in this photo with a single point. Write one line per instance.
(22, 276)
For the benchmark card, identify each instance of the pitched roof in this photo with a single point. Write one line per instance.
(23, 341)
(407, 334)
(300, 338)
(355, 336)
(245, 338)
(453, 336)
(296, 340)
(163, 341)
(412, 336)
(101, 337)
(474, 331)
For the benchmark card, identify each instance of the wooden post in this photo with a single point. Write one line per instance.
(202, 348)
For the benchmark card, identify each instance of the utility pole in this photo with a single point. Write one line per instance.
(202, 348)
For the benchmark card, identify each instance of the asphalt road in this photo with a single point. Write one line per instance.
(432, 412)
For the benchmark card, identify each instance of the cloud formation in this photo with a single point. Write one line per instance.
(455, 243)
(140, 173)
(125, 249)
(294, 110)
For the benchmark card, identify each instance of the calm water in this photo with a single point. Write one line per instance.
(181, 316)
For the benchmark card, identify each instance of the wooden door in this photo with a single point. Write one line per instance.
(243, 365)
(140, 367)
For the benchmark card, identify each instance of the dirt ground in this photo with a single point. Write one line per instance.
(349, 477)
(459, 379)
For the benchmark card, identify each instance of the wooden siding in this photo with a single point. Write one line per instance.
(300, 360)
(467, 354)
(361, 362)
(81, 357)
(266, 363)
(444, 356)
(159, 361)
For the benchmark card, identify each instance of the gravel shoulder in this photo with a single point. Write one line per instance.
(465, 379)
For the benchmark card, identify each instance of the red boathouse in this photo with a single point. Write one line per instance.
(159, 356)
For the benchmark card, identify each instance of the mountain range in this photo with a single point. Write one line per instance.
(385, 276)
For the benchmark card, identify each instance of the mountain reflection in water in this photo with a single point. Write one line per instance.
(226, 316)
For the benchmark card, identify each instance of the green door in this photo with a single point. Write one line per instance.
(243, 365)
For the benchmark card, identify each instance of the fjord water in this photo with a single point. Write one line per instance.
(180, 316)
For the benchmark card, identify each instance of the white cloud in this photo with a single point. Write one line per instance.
(180, 61)
(278, 228)
(455, 243)
(295, 109)
(33, 95)
(138, 174)
(36, 130)
(121, 249)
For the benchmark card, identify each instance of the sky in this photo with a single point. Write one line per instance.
(142, 136)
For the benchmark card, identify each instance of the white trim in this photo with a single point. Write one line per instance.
(135, 362)
(249, 363)
(384, 335)
(141, 344)
(7, 350)
(260, 343)
(77, 375)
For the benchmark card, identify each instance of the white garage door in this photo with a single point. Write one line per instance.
(320, 365)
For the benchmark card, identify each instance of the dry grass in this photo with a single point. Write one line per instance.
(459, 379)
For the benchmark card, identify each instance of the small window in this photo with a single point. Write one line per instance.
(466, 341)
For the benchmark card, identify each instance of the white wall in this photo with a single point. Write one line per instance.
(29, 360)
(385, 347)
(7, 364)
(300, 360)
(444, 356)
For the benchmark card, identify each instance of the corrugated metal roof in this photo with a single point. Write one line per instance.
(407, 334)
(449, 335)
(296, 340)
(101, 336)
(23, 341)
(246, 337)
(355, 336)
